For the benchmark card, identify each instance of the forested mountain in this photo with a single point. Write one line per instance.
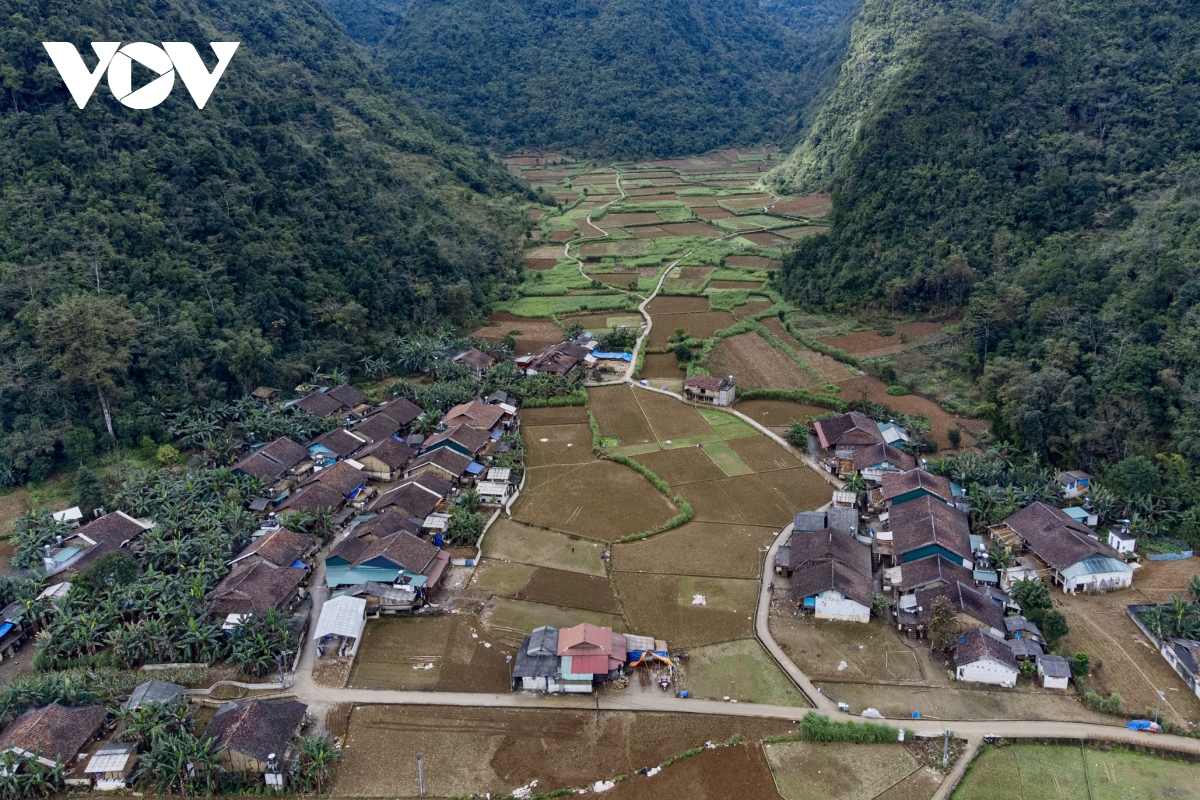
(173, 256)
(810, 18)
(619, 77)
(367, 21)
(1036, 163)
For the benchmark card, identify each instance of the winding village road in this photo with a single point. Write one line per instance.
(973, 731)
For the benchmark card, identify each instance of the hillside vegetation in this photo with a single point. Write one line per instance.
(1039, 168)
(621, 77)
(160, 258)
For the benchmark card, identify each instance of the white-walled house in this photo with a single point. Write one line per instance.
(1121, 540)
(1055, 672)
(981, 658)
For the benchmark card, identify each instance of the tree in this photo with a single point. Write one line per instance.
(88, 493)
(943, 627)
(112, 570)
(572, 331)
(1032, 596)
(797, 433)
(317, 754)
(1054, 628)
(683, 352)
(1000, 555)
(87, 340)
(1080, 665)
(79, 444)
(465, 527)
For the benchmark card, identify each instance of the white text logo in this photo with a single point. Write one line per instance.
(165, 61)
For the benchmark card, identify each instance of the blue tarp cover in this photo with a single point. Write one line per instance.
(5, 628)
(474, 468)
(613, 356)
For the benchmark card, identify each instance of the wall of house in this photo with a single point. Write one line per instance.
(926, 552)
(987, 670)
(834, 605)
(1054, 683)
(1113, 580)
(235, 761)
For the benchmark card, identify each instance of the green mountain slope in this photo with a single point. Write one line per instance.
(812, 19)
(367, 21)
(304, 215)
(620, 77)
(1043, 165)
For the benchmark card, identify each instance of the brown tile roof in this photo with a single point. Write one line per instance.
(341, 477)
(347, 395)
(253, 588)
(341, 441)
(965, 601)
(1056, 538)
(920, 574)
(313, 498)
(809, 549)
(708, 382)
(321, 404)
(54, 732)
(285, 451)
(475, 358)
(389, 451)
(832, 575)
(402, 549)
(475, 414)
(108, 533)
(975, 645)
(402, 410)
(349, 548)
(274, 460)
(282, 547)
(469, 438)
(450, 461)
(897, 484)
(926, 521)
(415, 498)
(256, 728)
(387, 522)
(260, 466)
(377, 427)
(867, 457)
(854, 429)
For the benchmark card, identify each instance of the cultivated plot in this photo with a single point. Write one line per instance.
(666, 607)
(600, 500)
(698, 548)
(444, 654)
(823, 770)
(739, 670)
(508, 540)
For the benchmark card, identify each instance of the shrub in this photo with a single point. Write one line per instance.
(896, 390)
(166, 455)
(816, 727)
(955, 437)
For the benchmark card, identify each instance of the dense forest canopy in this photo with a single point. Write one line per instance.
(367, 21)
(812, 19)
(176, 255)
(620, 77)
(1040, 168)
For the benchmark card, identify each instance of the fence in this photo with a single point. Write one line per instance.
(1164, 649)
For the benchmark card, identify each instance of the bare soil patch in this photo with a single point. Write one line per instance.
(686, 278)
(700, 324)
(940, 421)
(620, 220)
(817, 205)
(800, 232)
(777, 413)
(544, 176)
(619, 279)
(662, 606)
(868, 341)
(764, 239)
(669, 418)
(710, 503)
(758, 501)
(653, 194)
(475, 750)
(820, 770)
(726, 772)
(674, 304)
(754, 364)
(919, 785)
(646, 232)
(561, 415)
(830, 369)
(712, 212)
(544, 252)
(661, 365)
(754, 262)
(690, 229)
(601, 500)
(392, 646)
(799, 489)
(540, 264)
(532, 335)
(735, 285)
(700, 201)
(571, 589)
(507, 540)
(564, 444)
(750, 308)
(763, 455)
(720, 550)
(618, 414)
(615, 248)
(562, 236)
(684, 465)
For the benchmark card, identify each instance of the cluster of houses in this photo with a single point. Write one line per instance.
(574, 660)
(922, 549)
(253, 738)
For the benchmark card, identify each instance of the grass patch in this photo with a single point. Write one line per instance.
(724, 457)
(726, 425)
(740, 670)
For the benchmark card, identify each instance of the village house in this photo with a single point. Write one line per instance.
(345, 477)
(1077, 557)
(1122, 540)
(444, 462)
(1083, 515)
(477, 415)
(54, 734)
(831, 575)
(927, 527)
(875, 461)
(1055, 672)
(589, 653)
(900, 488)
(981, 658)
(385, 459)
(927, 573)
(321, 404)
(842, 436)
(477, 360)
(312, 499)
(78, 551)
(892, 433)
(398, 558)
(708, 389)
(1074, 484)
(72, 516)
(255, 588)
(336, 444)
(557, 359)
(161, 692)
(377, 427)
(537, 665)
(281, 458)
(248, 734)
(462, 439)
(266, 395)
(417, 497)
(281, 547)
(111, 766)
(973, 609)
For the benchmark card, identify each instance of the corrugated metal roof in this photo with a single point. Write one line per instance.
(1099, 565)
(111, 758)
(342, 616)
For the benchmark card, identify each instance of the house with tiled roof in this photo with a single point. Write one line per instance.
(476, 359)
(476, 414)
(981, 658)
(875, 461)
(402, 410)
(448, 464)
(87, 543)
(348, 396)
(311, 499)
(246, 733)
(54, 734)
(557, 359)
(343, 477)
(831, 575)
(417, 497)
(384, 459)
(254, 588)
(709, 389)
(463, 439)
(281, 547)
(915, 612)
(843, 435)
(1078, 558)
(900, 488)
(321, 404)
(926, 527)
(276, 460)
(378, 427)
(931, 572)
(398, 559)
(335, 444)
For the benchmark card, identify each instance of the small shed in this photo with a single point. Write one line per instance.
(111, 765)
(1082, 516)
(72, 516)
(160, 692)
(493, 492)
(1055, 672)
(344, 618)
(809, 522)
(1121, 540)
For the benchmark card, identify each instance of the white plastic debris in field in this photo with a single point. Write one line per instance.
(699, 600)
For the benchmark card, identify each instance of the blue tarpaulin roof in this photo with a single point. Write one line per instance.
(5, 628)
(474, 468)
(613, 356)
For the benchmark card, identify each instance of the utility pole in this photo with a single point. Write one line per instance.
(283, 654)
(946, 750)
(1161, 695)
(597, 696)
(421, 774)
